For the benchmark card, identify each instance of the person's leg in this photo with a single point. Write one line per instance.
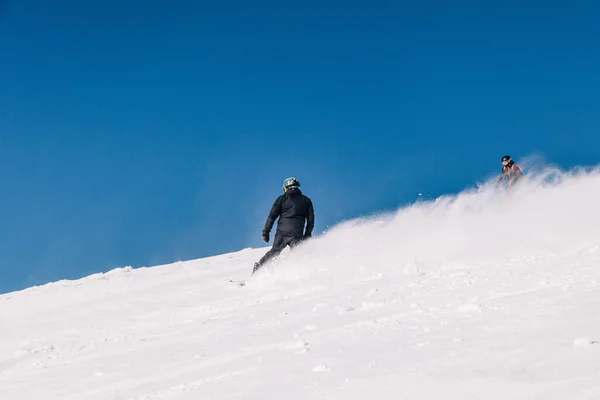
(279, 243)
(295, 241)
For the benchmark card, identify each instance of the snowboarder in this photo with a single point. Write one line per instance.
(293, 209)
(511, 172)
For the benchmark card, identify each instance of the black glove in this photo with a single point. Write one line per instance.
(265, 236)
(307, 235)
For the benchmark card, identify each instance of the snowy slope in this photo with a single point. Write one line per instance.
(478, 296)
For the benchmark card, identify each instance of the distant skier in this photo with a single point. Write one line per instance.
(293, 209)
(511, 172)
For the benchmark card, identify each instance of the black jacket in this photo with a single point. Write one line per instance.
(293, 209)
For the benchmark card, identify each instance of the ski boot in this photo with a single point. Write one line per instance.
(256, 267)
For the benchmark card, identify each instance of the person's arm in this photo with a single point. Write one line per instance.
(519, 169)
(273, 215)
(310, 219)
(501, 178)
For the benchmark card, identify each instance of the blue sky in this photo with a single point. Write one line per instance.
(145, 133)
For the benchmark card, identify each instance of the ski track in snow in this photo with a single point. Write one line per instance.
(469, 297)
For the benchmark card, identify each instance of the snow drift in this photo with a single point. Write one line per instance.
(489, 294)
(551, 212)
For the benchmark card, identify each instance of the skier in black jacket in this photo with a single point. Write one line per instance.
(293, 209)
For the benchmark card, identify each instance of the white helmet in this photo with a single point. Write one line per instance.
(290, 183)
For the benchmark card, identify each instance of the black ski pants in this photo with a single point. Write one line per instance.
(279, 244)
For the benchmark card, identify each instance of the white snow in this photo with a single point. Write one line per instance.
(484, 295)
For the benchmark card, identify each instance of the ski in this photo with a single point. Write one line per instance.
(240, 283)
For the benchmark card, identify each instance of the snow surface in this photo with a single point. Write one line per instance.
(483, 295)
